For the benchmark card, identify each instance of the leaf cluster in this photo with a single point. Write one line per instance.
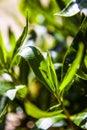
(64, 76)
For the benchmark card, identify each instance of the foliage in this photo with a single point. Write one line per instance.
(47, 78)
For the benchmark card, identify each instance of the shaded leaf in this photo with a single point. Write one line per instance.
(35, 112)
(85, 60)
(24, 71)
(81, 75)
(3, 108)
(3, 113)
(45, 123)
(81, 36)
(4, 86)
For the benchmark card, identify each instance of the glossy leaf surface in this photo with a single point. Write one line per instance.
(73, 8)
(34, 57)
(45, 123)
(35, 112)
(12, 92)
(21, 38)
(70, 10)
(42, 68)
(80, 119)
(73, 68)
(49, 74)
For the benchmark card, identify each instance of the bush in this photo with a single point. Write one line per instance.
(43, 76)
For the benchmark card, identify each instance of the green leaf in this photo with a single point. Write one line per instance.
(80, 119)
(2, 51)
(12, 92)
(73, 68)
(12, 40)
(2, 62)
(68, 59)
(71, 9)
(35, 112)
(4, 86)
(49, 74)
(24, 71)
(51, 71)
(45, 123)
(44, 69)
(71, 53)
(3, 113)
(56, 107)
(34, 57)
(21, 38)
(85, 60)
(22, 92)
(3, 107)
(81, 75)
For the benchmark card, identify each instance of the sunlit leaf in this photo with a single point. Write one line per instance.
(35, 112)
(73, 68)
(67, 61)
(22, 92)
(12, 92)
(55, 107)
(1, 57)
(22, 37)
(71, 52)
(52, 73)
(80, 119)
(2, 50)
(45, 123)
(71, 9)
(49, 74)
(12, 40)
(34, 57)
